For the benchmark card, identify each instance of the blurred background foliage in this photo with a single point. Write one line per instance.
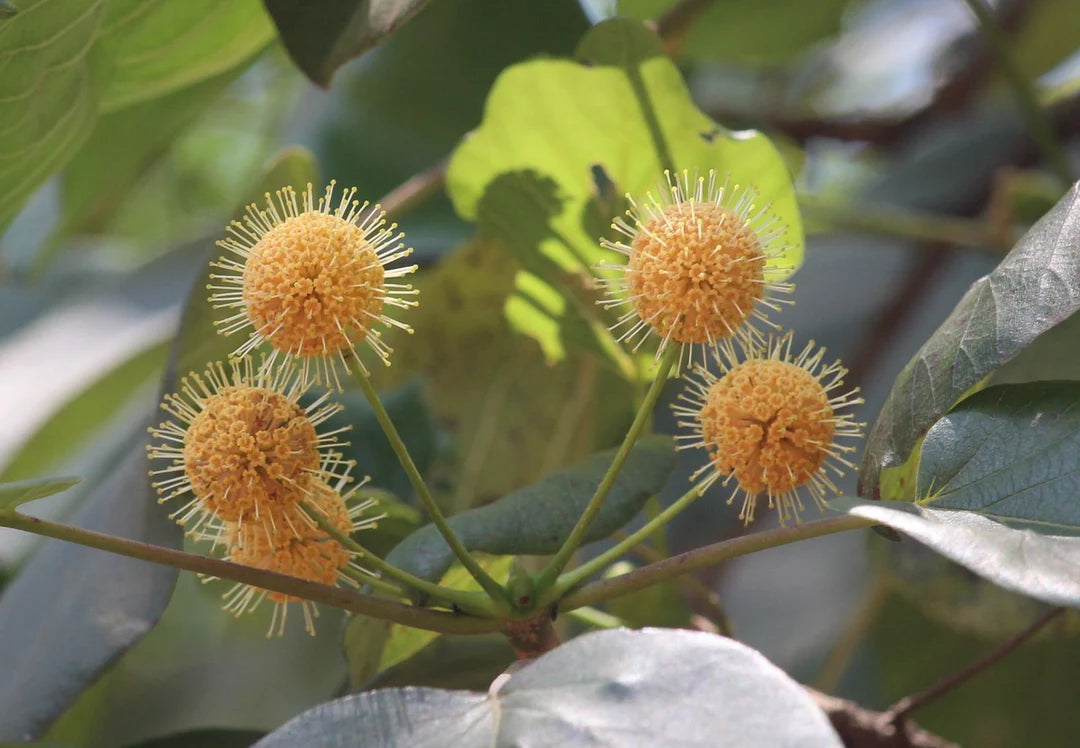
(125, 150)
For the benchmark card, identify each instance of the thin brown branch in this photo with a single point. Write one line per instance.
(863, 728)
(901, 709)
(677, 21)
(416, 190)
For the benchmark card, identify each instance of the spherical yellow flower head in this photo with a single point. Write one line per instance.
(698, 265)
(295, 546)
(312, 279)
(241, 444)
(770, 423)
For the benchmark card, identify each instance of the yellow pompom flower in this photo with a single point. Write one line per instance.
(304, 550)
(701, 264)
(312, 279)
(241, 446)
(770, 423)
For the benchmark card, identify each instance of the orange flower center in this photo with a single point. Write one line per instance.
(313, 284)
(696, 271)
(294, 547)
(249, 450)
(769, 423)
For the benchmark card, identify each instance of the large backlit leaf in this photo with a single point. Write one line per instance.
(67, 60)
(536, 519)
(1034, 288)
(619, 687)
(602, 125)
(321, 39)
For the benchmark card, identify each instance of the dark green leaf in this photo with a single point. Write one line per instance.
(1040, 566)
(368, 445)
(1010, 453)
(1035, 287)
(536, 519)
(207, 738)
(20, 492)
(450, 662)
(748, 31)
(320, 40)
(626, 688)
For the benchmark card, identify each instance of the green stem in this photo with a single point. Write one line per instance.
(709, 555)
(387, 610)
(597, 619)
(494, 590)
(576, 576)
(365, 578)
(550, 573)
(1042, 132)
(470, 602)
(920, 226)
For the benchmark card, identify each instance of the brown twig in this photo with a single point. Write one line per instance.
(416, 189)
(863, 728)
(674, 24)
(899, 711)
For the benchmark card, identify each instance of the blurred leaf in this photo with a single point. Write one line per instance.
(207, 738)
(656, 605)
(513, 417)
(536, 519)
(320, 40)
(81, 418)
(1010, 453)
(52, 70)
(368, 444)
(1049, 32)
(372, 645)
(122, 147)
(747, 31)
(603, 125)
(65, 61)
(157, 48)
(1040, 566)
(61, 635)
(20, 492)
(1026, 699)
(449, 662)
(1035, 287)
(627, 688)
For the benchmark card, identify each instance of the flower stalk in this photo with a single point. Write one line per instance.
(494, 590)
(562, 557)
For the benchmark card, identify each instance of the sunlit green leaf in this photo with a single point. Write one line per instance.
(606, 123)
(627, 688)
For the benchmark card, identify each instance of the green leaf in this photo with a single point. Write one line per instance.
(372, 645)
(618, 687)
(157, 48)
(1024, 561)
(1010, 453)
(536, 519)
(81, 419)
(20, 492)
(320, 40)
(67, 640)
(1036, 287)
(602, 125)
(523, 418)
(64, 63)
(748, 31)
(449, 662)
